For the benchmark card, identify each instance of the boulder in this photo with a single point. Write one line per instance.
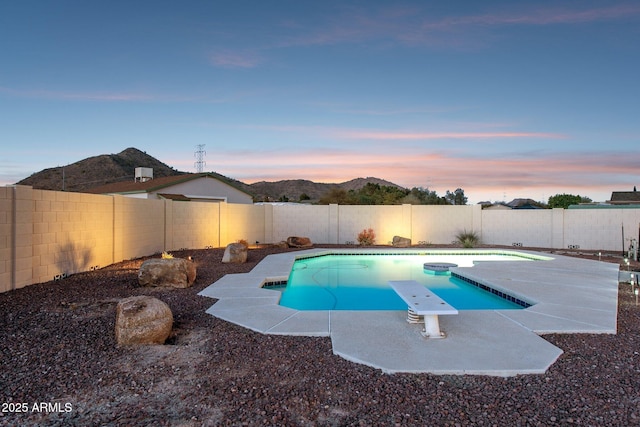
(401, 242)
(299, 242)
(142, 320)
(170, 272)
(235, 253)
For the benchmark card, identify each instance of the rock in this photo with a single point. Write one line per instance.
(142, 320)
(281, 245)
(235, 253)
(171, 272)
(401, 242)
(299, 242)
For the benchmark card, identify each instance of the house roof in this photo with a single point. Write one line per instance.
(152, 185)
(625, 197)
(523, 204)
(176, 197)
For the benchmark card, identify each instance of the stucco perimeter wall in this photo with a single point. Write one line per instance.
(45, 235)
(523, 227)
(385, 221)
(242, 222)
(138, 227)
(312, 221)
(49, 234)
(590, 228)
(440, 224)
(191, 225)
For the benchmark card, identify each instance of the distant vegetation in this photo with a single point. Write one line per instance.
(565, 200)
(376, 194)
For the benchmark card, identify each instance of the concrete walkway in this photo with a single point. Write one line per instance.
(569, 295)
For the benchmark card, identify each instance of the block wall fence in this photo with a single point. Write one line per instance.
(49, 234)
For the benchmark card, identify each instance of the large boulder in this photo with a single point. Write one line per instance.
(401, 242)
(142, 320)
(299, 242)
(171, 272)
(235, 253)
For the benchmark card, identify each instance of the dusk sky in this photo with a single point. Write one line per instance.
(503, 99)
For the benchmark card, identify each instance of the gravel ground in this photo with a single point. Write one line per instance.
(60, 366)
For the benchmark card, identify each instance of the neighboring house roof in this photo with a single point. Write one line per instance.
(154, 185)
(524, 204)
(625, 197)
(528, 206)
(178, 197)
(498, 206)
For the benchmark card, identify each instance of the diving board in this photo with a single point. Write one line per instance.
(424, 303)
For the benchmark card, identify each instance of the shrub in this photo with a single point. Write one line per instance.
(166, 255)
(243, 242)
(367, 237)
(468, 239)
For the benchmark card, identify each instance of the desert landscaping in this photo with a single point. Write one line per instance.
(59, 349)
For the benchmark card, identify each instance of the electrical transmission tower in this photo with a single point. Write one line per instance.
(199, 154)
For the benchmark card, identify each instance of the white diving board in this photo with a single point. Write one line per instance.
(424, 303)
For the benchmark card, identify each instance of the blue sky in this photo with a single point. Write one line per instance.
(503, 99)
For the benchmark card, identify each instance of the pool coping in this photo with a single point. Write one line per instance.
(569, 295)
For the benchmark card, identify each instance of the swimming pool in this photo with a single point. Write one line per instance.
(360, 282)
(568, 295)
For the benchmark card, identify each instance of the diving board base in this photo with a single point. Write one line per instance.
(422, 302)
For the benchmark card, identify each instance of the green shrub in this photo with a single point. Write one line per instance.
(468, 239)
(367, 237)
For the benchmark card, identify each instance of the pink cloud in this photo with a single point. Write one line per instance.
(383, 135)
(584, 173)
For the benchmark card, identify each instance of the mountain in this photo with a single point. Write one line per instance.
(108, 168)
(293, 189)
(96, 171)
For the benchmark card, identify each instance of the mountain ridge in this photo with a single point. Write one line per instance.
(104, 169)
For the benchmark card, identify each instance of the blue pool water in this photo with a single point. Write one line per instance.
(360, 282)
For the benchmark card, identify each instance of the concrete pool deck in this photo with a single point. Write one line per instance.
(569, 295)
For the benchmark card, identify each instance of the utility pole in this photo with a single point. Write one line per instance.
(199, 154)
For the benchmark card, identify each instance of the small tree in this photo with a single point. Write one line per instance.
(457, 197)
(565, 200)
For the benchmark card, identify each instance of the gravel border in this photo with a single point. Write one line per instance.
(60, 363)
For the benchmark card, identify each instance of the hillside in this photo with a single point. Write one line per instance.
(293, 189)
(108, 168)
(96, 171)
